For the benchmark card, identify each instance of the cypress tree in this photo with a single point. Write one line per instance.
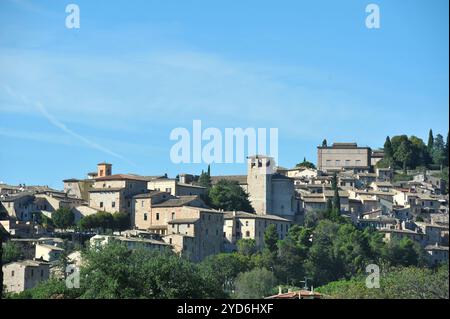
(430, 141)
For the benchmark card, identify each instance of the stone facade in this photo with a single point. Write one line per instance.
(242, 225)
(21, 275)
(269, 192)
(343, 156)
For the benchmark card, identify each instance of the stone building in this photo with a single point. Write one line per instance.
(242, 225)
(114, 193)
(153, 210)
(175, 187)
(196, 232)
(343, 156)
(21, 275)
(271, 193)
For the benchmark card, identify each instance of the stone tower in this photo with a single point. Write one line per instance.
(103, 169)
(259, 182)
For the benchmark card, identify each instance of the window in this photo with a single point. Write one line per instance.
(247, 233)
(168, 190)
(246, 223)
(142, 203)
(129, 203)
(173, 215)
(101, 204)
(170, 241)
(42, 272)
(224, 234)
(12, 273)
(157, 216)
(145, 216)
(32, 272)
(113, 204)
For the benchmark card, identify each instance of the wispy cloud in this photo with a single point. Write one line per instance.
(55, 122)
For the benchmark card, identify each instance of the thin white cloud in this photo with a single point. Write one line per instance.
(55, 122)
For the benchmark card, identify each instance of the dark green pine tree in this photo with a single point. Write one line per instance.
(388, 151)
(430, 141)
(446, 150)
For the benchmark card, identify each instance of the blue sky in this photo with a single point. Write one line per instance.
(115, 88)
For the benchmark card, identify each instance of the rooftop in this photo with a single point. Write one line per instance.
(177, 202)
(183, 221)
(243, 215)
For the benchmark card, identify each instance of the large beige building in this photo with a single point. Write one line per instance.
(341, 156)
(175, 187)
(21, 275)
(196, 232)
(153, 210)
(242, 225)
(114, 193)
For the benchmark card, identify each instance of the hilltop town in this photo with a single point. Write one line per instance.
(196, 216)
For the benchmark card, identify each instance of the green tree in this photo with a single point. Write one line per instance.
(439, 156)
(12, 252)
(205, 179)
(292, 254)
(121, 221)
(254, 284)
(395, 283)
(224, 268)
(229, 196)
(430, 144)
(63, 218)
(446, 152)
(114, 271)
(404, 252)
(388, 151)
(336, 204)
(271, 238)
(246, 247)
(404, 154)
(306, 164)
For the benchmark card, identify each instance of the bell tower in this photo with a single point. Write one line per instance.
(104, 169)
(259, 181)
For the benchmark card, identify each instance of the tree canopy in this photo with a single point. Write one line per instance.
(228, 195)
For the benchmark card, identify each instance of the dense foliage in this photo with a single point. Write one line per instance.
(306, 164)
(411, 152)
(395, 283)
(11, 252)
(63, 218)
(228, 195)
